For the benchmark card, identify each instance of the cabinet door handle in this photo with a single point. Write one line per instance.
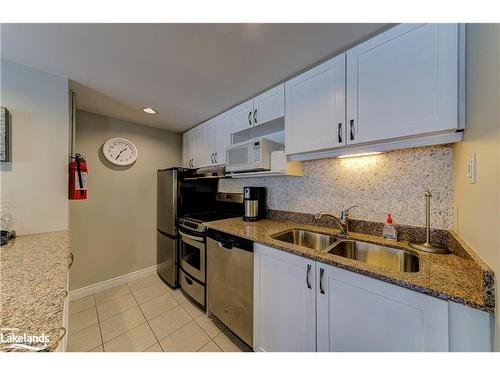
(188, 280)
(339, 132)
(250, 118)
(321, 289)
(351, 129)
(63, 329)
(215, 157)
(212, 158)
(72, 257)
(308, 273)
(255, 116)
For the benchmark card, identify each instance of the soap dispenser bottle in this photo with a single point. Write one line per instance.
(389, 229)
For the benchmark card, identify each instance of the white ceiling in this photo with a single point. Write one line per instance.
(188, 72)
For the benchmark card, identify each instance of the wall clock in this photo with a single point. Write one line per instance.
(120, 151)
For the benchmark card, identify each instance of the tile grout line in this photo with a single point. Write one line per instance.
(211, 338)
(121, 313)
(171, 293)
(81, 329)
(137, 305)
(192, 320)
(152, 346)
(99, 324)
(147, 322)
(154, 316)
(172, 331)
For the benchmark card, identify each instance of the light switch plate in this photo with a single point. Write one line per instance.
(471, 168)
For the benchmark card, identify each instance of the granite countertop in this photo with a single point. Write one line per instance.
(463, 278)
(33, 275)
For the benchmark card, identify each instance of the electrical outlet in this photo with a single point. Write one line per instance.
(471, 168)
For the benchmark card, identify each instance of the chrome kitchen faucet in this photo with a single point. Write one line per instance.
(342, 222)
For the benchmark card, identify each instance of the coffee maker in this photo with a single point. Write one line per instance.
(254, 198)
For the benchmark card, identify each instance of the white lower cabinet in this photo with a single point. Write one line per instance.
(284, 301)
(357, 313)
(304, 305)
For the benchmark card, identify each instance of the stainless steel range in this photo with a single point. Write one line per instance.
(193, 241)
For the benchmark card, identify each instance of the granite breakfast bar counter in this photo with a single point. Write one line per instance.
(461, 277)
(33, 286)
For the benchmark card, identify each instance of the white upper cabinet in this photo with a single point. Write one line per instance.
(223, 135)
(403, 82)
(284, 301)
(209, 142)
(266, 107)
(188, 149)
(186, 157)
(205, 145)
(402, 88)
(269, 105)
(357, 314)
(241, 116)
(197, 150)
(315, 108)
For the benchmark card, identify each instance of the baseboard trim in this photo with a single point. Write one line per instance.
(115, 281)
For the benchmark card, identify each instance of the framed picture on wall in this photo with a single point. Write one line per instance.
(5, 132)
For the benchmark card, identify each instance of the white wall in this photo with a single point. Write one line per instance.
(477, 206)
(114, 230)
(34, 184)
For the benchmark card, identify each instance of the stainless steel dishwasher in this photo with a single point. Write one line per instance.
(230, 282)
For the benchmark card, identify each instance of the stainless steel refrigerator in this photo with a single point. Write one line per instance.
(167, 210)
(181, 192)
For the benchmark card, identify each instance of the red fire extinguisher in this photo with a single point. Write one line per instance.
(78, 178)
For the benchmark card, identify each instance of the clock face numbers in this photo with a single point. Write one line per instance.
(120, 151)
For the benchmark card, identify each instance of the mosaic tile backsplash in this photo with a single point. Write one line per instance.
(389, 182)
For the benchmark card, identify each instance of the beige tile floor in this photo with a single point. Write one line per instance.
(145, 315)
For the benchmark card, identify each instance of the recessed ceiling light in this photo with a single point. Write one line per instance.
(150, 111)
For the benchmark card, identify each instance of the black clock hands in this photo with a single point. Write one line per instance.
(117, 156)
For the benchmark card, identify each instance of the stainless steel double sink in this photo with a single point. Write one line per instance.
(377, 255)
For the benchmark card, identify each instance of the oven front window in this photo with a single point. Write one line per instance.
(191, 255)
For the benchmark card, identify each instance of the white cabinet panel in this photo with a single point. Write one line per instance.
(206, 144)
(315, 108)
(358, 313)
(269, 105)
(403, 82)
(209, 141)
(197, 146)
(223, 134)
(242, 116)
(470, 329)
(188, 148)
(284, 304)
(185, 150)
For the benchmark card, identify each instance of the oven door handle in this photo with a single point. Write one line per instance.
(194, 238)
